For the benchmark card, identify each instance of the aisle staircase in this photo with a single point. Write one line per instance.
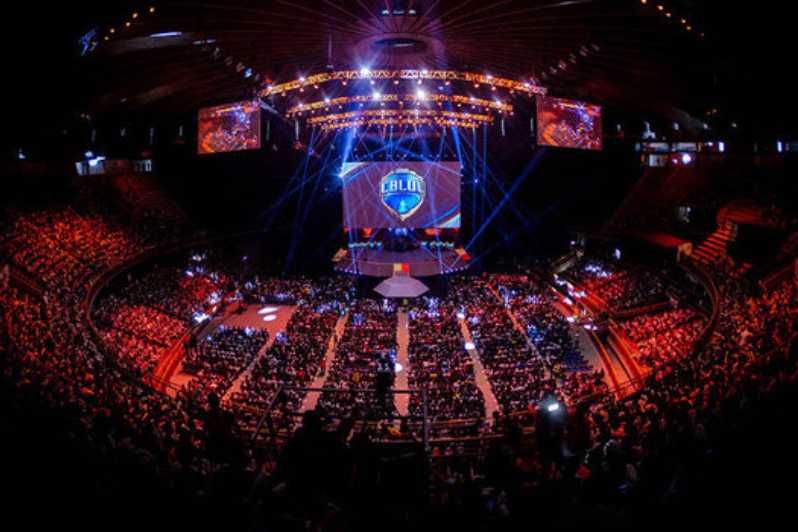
(715, 248)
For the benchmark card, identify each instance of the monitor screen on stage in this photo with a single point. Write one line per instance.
(230, 127)
(568, 124)
(412, 195)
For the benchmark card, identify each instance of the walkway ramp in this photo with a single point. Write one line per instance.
(402, 400)
(481, 378)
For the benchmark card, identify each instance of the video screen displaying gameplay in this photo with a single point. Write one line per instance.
(569, 124)
(229, 127)
(398, 265)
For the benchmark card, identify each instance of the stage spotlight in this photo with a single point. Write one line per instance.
(553, 407)
(461, 316)
(421, 94)
(365, 72)
(469, 346)
(199, 317)
(686, 158)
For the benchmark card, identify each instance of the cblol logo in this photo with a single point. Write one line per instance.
(402, 192)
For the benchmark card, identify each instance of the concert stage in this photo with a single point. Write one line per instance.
(422, 262)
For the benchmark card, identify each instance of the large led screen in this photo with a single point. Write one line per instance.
(568, 124)
(231, 127)
(401, 194)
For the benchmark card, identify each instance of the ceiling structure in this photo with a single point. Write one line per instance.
(179, 56)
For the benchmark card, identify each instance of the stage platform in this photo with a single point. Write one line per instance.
(422, 262)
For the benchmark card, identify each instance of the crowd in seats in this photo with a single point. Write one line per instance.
(635, 289)
(620, 288)
(153, 325)
(294, 358)
(334, 292)
(580, 385)
(274, 290)
(221, 356)
(138, 351)
(54, 362)
(664, 336)
(684, 399)
(179, 292)
(440, 365)
(592, 273)
(518, 375)
(368, 338)
(61, 247)
(533, 306)
(645, 326)
(607, 452)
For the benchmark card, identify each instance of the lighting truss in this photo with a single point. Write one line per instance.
(524, 87)
(401, 117)
(456, 100)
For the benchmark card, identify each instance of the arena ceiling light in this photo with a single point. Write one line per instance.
(166, 34)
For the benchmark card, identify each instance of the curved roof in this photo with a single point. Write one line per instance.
(182, 55)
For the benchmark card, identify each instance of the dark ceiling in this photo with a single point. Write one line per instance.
(616, 52)
(604, 49)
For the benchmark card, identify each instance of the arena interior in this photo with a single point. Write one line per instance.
(332, 265)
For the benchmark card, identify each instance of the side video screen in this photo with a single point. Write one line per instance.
(569, 124)
(230, 127)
